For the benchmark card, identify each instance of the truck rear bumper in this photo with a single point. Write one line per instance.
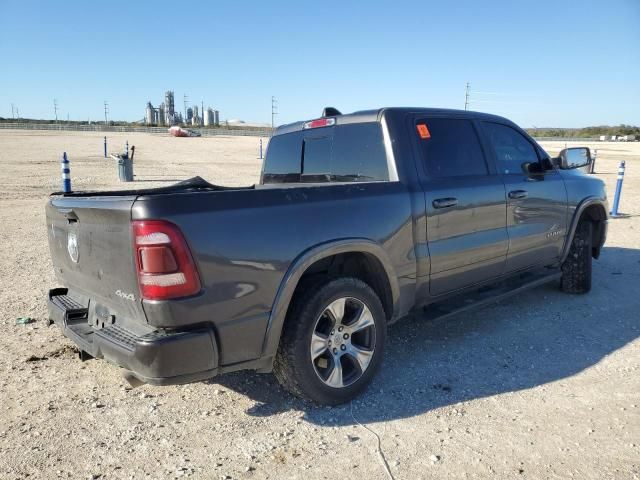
(157, 357)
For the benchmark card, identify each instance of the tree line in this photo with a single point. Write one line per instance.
(585, 132)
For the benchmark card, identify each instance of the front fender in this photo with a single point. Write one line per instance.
(577, 214)
(300, 265)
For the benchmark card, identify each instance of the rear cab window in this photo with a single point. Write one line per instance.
(282, 162)
(316, 157)
(342, 153)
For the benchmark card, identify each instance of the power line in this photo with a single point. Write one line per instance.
(498, 98)
(106, 111)
(507, 94)
(509, 102)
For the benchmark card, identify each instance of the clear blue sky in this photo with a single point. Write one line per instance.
(551, 63)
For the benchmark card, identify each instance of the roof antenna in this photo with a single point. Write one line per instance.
(330, 112)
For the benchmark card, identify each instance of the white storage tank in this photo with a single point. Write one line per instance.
(149, 114)
(208, 117)
(161, 114)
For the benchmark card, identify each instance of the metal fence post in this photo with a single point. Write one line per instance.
(616, 198)
(66, 173)
(260, 149)
(105, 147)
(126, 147)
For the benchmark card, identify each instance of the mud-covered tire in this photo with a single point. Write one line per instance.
(294, 366)
(576, 269)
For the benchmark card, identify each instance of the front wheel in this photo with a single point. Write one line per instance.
(576, 269)
(332, 341)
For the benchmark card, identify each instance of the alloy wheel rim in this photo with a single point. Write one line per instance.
(343, 342)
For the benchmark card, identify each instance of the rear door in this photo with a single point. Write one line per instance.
(465, 204)
(536, 203)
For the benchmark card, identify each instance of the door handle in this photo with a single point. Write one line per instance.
(445, 202)
(518, 194)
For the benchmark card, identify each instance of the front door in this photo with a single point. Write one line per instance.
(536, 203)
(465, 204)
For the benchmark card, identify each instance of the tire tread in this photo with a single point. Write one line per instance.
(576, 269)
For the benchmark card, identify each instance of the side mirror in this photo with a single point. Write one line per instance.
(574, 158)
(532, 168)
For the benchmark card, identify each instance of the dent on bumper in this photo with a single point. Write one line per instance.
(156, 357)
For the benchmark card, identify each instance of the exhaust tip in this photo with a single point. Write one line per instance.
(131, 379)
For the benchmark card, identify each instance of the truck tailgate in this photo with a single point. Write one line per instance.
(91, 249)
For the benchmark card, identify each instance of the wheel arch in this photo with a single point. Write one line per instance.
(594, 209)
(304, 262)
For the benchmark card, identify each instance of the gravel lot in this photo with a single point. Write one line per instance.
(544, 385)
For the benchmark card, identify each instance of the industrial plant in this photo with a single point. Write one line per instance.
(166, 114)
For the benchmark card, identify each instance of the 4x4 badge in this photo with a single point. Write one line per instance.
(72, 246)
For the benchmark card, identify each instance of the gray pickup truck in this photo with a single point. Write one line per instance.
(358, 220)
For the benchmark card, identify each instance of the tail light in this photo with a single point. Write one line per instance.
(163, 261)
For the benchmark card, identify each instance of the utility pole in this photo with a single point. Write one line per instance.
(18, 113)
(466, 96)
(55, 108)
(106, 111)
(12, 112)
(274, 110)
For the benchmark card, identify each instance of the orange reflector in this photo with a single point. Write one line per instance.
(423, 131)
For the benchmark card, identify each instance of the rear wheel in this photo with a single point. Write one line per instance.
(332, 341)
(576, 269)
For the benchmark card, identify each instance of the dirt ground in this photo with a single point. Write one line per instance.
(544, 385)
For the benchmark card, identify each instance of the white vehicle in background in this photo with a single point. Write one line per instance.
(177, 131)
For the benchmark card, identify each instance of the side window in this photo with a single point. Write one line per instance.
(282, 163)
(511, 147)
(450, 148)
